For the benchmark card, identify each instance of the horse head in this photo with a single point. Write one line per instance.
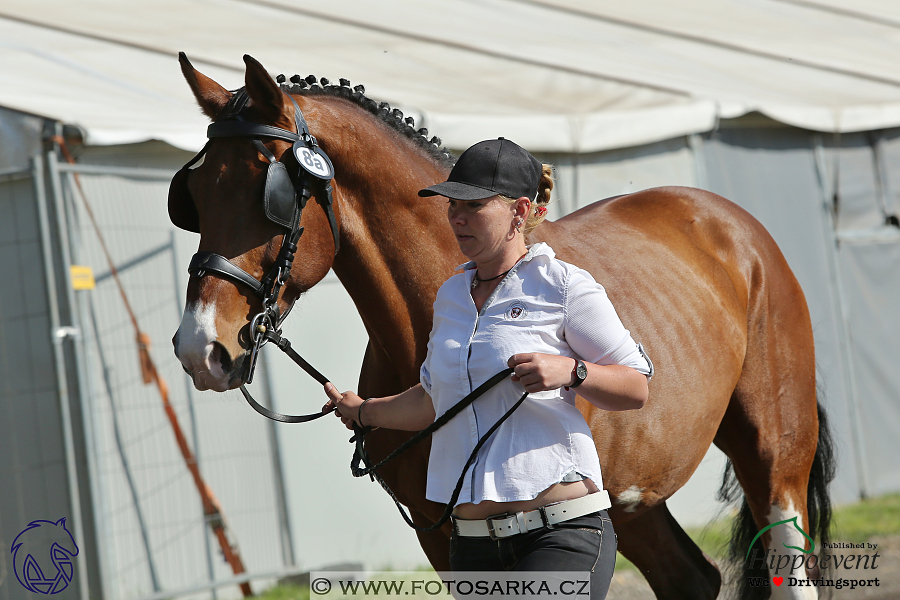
(243, 194)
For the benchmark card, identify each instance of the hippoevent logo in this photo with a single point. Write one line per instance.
(42, 556)
(812, 544)
(777, 563)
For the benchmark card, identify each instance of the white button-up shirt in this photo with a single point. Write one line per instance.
(542, 305)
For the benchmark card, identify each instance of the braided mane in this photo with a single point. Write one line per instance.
(393, 118)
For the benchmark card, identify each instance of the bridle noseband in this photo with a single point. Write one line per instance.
(284, 199)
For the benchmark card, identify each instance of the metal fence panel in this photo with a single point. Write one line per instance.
(147, 508)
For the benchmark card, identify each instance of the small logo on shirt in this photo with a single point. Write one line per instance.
(516, 310)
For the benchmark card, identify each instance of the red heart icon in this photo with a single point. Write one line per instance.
(778, 580)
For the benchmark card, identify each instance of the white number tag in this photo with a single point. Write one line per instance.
(313, 160)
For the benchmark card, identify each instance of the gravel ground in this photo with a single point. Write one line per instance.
(630, 585)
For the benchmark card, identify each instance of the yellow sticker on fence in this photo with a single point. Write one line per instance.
(82, 277)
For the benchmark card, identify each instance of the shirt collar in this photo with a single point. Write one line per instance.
(539, 249)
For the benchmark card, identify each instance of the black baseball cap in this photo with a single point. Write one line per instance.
(489, 168)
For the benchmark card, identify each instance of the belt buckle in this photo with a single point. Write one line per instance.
(544, 519)
(490, 525)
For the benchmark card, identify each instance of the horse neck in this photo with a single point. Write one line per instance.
(396, 248)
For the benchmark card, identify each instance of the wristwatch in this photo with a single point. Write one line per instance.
(579, 374)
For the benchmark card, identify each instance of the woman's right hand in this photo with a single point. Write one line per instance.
(346, 405)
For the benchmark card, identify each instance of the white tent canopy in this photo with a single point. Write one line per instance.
(555, 75)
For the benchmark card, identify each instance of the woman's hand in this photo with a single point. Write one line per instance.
(346, 405)
(411, 410)
(609, 387)
(541, 372)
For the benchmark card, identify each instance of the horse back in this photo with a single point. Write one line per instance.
(668, 247)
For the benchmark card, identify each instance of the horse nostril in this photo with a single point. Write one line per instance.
(220, 354)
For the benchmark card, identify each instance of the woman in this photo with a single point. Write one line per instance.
(534, 499)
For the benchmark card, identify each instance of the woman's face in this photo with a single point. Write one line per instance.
(482, 227)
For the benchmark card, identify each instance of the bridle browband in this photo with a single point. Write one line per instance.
(284, 199)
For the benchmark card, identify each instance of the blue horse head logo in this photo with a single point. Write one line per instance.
(42, 556)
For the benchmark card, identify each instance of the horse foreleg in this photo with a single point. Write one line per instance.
(674, 566)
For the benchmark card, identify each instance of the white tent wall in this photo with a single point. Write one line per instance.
(866, 174)
(870, 278)
(785, 177)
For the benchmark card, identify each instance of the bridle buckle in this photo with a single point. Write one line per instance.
(259, 327)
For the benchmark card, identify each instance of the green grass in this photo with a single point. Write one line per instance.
(286, 592)
(864, 520)
(853, 523)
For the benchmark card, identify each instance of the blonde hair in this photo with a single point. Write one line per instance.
(545, 186)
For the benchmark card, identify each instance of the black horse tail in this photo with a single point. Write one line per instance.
(742, 570)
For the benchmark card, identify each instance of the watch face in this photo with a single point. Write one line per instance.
(581, 371)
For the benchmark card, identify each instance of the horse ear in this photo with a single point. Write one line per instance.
(211, 96)
(262, 89)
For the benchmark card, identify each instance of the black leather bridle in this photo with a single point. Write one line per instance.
(284, 199)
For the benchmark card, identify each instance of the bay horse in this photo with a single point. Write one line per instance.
(694, 277)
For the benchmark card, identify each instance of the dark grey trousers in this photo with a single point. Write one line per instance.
(587, 543)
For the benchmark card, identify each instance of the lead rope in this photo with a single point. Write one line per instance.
(361, 456)
(360, 453)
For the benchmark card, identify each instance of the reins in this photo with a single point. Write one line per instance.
(370, 470)
(361, 456)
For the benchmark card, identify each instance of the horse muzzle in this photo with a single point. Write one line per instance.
(203, 356)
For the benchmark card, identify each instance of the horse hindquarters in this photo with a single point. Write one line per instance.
(771, 428)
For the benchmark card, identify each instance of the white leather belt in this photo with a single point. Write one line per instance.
(509, 524)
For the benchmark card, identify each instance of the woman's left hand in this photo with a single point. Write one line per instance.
(609, 387)
(346, 405)
(540, 372)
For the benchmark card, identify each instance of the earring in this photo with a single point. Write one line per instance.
(518, 225)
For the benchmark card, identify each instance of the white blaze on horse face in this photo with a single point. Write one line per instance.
(787, 535)
(630, 498)
(196, 337)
